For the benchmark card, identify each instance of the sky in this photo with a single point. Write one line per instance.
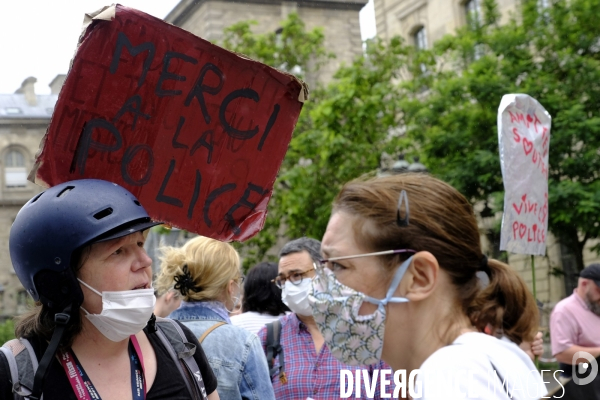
(42, 44)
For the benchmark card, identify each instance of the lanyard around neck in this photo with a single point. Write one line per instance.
(84, 388)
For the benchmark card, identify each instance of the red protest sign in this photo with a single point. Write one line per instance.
(196, 132)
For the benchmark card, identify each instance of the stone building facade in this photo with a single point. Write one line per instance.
(24, 117)
(339, 19)
(432, 18)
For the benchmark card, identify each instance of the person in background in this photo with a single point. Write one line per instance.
(166, 302)
(311, 370)
(261, 303)
(575, 321)
(398, 282)
(207, 274)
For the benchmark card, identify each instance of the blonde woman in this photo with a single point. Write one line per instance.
(207, 274)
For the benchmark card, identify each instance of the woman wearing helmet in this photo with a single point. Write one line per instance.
(77, 248)
(399, 282)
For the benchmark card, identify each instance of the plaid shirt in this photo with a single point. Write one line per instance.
(311, 375)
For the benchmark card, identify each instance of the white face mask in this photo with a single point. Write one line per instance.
(124, 313)
(296, 296)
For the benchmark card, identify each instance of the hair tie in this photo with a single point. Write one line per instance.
(184, 283)
(483, 266)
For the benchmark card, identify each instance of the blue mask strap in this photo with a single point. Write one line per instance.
(393, 286)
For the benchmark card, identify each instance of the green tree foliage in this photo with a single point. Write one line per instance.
(7, 331)
(552, 54)
(293, 49)
(341, 136)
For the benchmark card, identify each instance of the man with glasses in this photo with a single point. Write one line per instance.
(311, 370)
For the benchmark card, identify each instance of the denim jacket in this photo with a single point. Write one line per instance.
(235, 355)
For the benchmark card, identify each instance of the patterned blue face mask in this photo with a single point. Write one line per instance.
(352, 338)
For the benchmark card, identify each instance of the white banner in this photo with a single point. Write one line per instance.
(524, 141)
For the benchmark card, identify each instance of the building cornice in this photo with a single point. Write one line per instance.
(26, 121)
(186, 8)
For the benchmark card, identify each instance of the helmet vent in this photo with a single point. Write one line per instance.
(36, 197)
(137, 203)
(104, 213)
(65, 191)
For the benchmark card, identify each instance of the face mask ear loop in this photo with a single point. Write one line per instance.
(237, 307)
(393, 286)
(397, 278)
(86, 311)
(89, 287)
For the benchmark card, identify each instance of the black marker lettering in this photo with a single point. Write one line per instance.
(245, 203)
(166, 75)
(230, 130)
(86, 143)
(163, 198)
(133, 105)
(174, 142)
(195, 195)
(270, 124)
(202, 142)
(200, 88)
(123, 41)
(212, 197)
(128, 157)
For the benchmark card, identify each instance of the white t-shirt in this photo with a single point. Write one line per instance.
(253, 321)
(479, 366)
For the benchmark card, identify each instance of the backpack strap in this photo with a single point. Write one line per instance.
(274, 349)
(182, 353)
(209, 330)
(22, 365)
(12, 366)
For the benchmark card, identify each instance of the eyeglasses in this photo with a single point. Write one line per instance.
(242, 278)
(294, 277)
(321, 265)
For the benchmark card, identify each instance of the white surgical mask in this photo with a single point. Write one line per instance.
(296, 296)
(352, 338)
(124, 313)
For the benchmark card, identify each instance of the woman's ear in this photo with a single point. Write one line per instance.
(170, 296)
(422, 276)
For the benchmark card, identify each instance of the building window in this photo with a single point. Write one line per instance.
(473, 12)
(281, 43)
(13, 110)
(543, 4)
(420, 37)
(543, 9)
(15, 172)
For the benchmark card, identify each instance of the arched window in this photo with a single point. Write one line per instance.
(15, 172)
(420, 37)
(473, 11)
